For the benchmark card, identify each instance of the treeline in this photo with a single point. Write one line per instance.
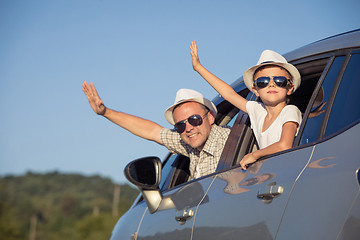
(56, 206)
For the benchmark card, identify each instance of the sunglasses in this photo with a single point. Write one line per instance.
(263, 82)
(194, 120)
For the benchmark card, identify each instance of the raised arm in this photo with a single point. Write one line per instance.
(224, 89)
(140, 127)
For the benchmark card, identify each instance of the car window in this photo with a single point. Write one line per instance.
(311, 72)
(241, 139)
(166, 171)
(312, 127)
(345, 109)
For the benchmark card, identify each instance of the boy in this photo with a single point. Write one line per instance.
(273, 79)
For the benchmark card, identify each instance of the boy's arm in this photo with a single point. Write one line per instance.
(286, 141)
(140, 127)
(224, 89)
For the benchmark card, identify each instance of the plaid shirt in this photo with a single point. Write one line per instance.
(204, 162)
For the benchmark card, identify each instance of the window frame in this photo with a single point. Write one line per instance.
(330, 56)
(235, 149)
(334, 93)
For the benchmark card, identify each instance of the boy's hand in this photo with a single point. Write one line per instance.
(95, 102)
(194, 55)
(247, 159)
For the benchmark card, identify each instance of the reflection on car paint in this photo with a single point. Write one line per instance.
(262, 178)
(316, 163)
(236, 182)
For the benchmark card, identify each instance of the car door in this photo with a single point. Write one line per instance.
(177, 222)
(249, 204)
(325, 201)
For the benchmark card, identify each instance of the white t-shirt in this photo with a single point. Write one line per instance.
(257, 113)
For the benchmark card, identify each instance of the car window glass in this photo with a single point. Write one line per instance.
(311, 130)
(166, 172)
(345, 109)
(231, 123)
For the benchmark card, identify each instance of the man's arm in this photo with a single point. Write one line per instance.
(140, 127)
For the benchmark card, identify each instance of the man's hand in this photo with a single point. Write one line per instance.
(194, 55)
(95, 102)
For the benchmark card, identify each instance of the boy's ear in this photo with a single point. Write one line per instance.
(255, 91)
(290, 90)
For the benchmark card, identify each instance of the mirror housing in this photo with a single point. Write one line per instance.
(145, 173)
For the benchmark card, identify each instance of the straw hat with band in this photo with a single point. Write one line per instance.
(188, 95)
(269, 57)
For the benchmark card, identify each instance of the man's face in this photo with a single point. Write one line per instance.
(194, 136)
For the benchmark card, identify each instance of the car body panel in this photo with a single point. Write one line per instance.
(341, 41)
(325, 192)
(128, 225)
(233, 195)
(350, 229)
(185, 199)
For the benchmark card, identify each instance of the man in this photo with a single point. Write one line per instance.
(194, 135)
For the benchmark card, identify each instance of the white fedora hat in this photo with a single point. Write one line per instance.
(269, 57)
(188, 95)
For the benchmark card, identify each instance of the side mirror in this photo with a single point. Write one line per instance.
(144, 172)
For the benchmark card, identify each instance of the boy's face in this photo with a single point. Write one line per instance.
(272, 94)
(194, 136)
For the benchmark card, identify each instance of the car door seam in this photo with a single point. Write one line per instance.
(347, 214)
(197, 207)
(292, 188)
(142, 218)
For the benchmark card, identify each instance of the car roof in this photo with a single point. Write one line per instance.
(344, 40)
(340, 41)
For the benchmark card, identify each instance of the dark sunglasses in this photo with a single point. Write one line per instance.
(194, 120)
(263, 82)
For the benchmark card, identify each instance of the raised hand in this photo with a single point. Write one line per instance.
(95, 102)
(194, 55)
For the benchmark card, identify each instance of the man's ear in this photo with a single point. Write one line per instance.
(211, 117)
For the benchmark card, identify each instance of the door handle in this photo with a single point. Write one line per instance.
(184, 216)
(270, 191)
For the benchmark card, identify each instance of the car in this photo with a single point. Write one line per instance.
(310, 191)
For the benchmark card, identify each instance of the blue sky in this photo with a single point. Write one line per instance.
(137, 54)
